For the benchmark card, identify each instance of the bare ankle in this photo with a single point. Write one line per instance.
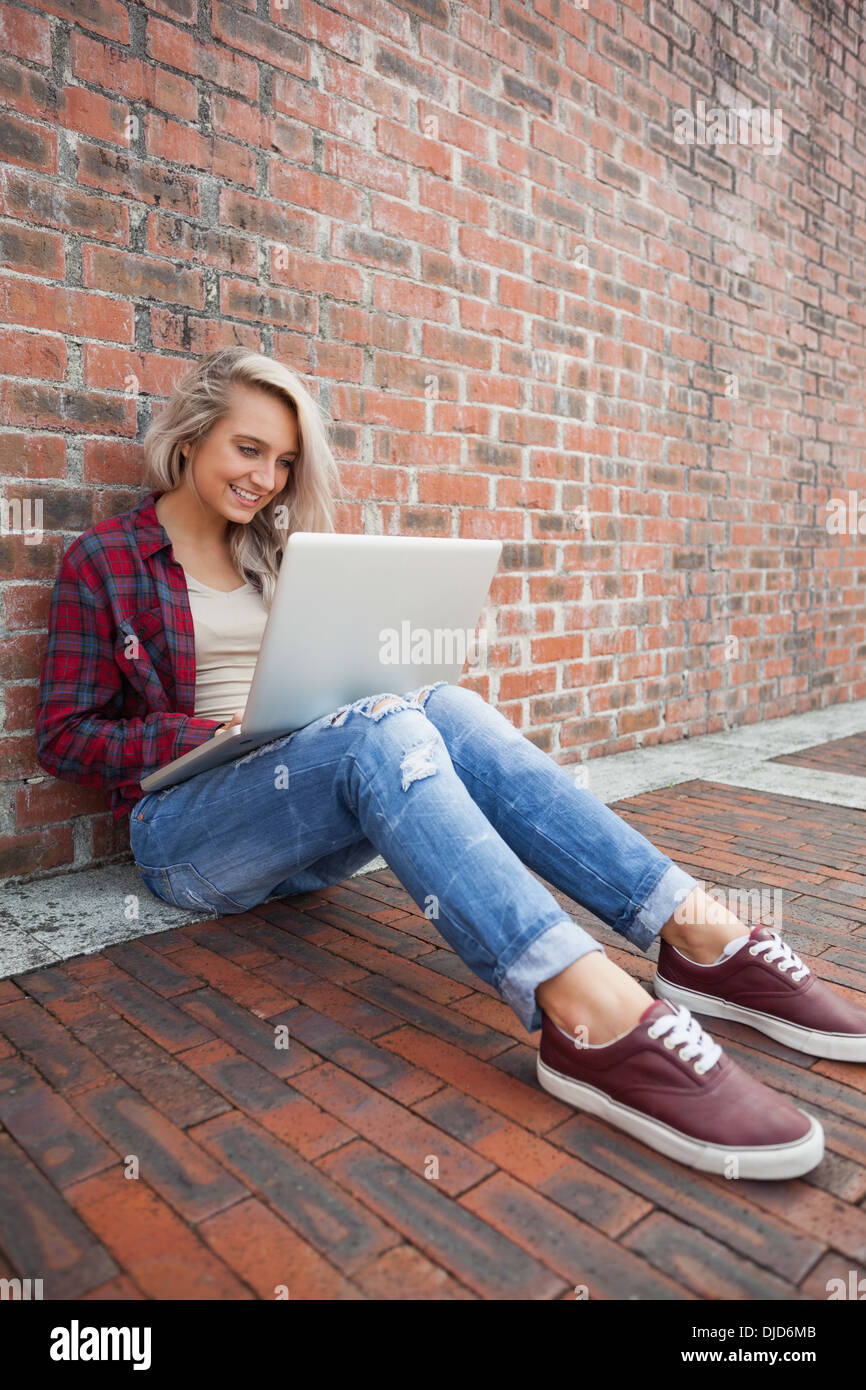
(701, 928)
(593, 1000)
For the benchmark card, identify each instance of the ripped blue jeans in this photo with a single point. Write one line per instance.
(455, 799)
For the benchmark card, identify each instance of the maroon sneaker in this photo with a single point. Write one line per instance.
(767, 986)
(670, 1085)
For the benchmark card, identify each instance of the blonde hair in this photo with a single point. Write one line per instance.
(198, 402)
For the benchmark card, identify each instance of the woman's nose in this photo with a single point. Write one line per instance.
(264, 474)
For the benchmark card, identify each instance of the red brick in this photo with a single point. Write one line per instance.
(48, 1128)
(393, 1129)
(535, 1110)
(472, 1251)
(248, 1033)
(156, 1017)
(535, 1162)
(447, 1023)
(304, 953)
(120, 1289)
(234, 982)
(173, 1164)
(579, 1254)
(376, 1065)
(164, 1082)
(41, 1237)
(278, 1107)
(164, 1258)
(67, 1065)
(165, 976)
(314, 1205)
(405, 1274)
(269, 1256)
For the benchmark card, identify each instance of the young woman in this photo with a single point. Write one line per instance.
(156, 620)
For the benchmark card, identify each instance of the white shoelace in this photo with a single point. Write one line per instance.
(685, 1032)
(779, 951)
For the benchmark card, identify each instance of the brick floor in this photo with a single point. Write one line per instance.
(307, 1168)
(845, 755)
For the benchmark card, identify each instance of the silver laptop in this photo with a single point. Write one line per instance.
(353, 616)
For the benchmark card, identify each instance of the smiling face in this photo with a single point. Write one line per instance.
(247, 458)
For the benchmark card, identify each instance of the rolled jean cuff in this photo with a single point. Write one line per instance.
(552, 951)
(670, 890)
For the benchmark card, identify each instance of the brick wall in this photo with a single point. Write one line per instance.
(536, 299)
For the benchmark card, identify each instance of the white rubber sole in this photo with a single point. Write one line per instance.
(838, 1047)
(765, 1161)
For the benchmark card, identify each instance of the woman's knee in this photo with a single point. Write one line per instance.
(387, 702)
(375, 707)
(398, 733)
(458, 699)
(457, 707)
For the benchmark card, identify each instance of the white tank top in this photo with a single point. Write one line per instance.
(228, 633)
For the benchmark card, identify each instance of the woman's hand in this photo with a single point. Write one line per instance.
(235, 719)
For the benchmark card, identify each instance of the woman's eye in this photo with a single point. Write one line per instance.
(250, 449)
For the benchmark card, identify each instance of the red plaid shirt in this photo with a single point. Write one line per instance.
(117, 692)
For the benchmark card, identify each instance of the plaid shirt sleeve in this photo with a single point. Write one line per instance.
(81, 732)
